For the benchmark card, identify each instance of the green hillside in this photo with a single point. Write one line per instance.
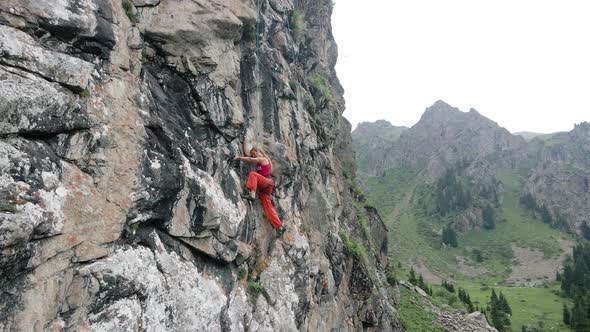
(539, 307)
(469, 203)
(415, 239)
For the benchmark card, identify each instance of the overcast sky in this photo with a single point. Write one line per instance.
(523, 63)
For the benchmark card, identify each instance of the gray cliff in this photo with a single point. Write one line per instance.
(120, 209)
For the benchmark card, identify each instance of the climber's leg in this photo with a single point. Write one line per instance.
(255, 181)
(269, 210)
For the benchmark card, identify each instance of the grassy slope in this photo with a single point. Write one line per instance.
(529, 305)
(386, 192)
(413, 315)
(412, 239)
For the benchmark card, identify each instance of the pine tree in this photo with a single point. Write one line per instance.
(448, 286)
(494, 298)
(528, 201)
(561, 222)
(567, 280)
(489, 221)
(449, 236)
(579, 316)
(461, 199)
(498, 316)
(545, 215)
(478, 256)
(566, 315)
(412, 278)
(503, 304)
(497, 319)
(444, 186)
(575, 282)
(453, 238)
(470, 307)
(585, 230)
(421, 283)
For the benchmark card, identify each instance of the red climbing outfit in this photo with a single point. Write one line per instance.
(262, 181)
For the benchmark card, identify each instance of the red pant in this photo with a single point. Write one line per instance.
(257, 181)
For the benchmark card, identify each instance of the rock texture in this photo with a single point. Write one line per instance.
(560, 177)
(120, 209)
(372, 141)
(475, 321)
(451, 321)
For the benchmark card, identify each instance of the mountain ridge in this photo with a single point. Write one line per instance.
(468, 202)
(445, 136)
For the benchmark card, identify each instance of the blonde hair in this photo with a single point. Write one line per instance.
(257, 149)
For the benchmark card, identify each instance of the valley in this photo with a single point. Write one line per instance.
(438, 176)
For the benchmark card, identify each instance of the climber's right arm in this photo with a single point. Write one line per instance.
(250, 159)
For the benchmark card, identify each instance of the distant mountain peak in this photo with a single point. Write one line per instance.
(443, 136)
(441, 112)
(379, 123)
(582, 130)
(440, 106)
(377, 127)
(383, 123)
(582, 126)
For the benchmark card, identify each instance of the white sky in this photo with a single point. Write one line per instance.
(523, 63)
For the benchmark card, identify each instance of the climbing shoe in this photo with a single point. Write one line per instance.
(247, 197)
(281, 231)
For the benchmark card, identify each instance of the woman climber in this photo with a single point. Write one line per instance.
(262, 181)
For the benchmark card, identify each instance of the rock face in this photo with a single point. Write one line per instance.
(455, 321)
(120, 208)
(560, 177)
(475, 321)
(372, 141)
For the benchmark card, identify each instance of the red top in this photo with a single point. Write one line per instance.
(263, 170)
